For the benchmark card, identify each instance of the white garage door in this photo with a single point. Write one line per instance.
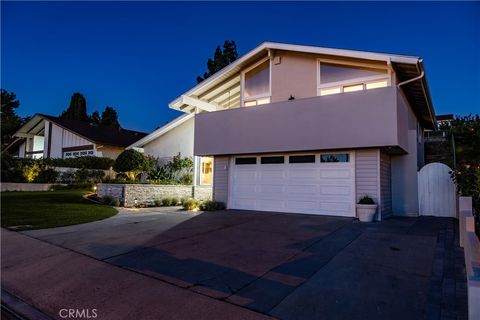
(317, 183)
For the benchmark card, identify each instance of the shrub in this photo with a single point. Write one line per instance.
(166, 202)
(182, 200)
(88, 176)
(87, 162)
(30, 170)
(177, 171)
(158, 202)
(131, 163)
(47, 175)
(111, 201)
(366, 200)
(210, 205)
(190, 204)
(169, 201)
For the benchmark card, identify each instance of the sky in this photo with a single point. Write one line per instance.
(139, 56)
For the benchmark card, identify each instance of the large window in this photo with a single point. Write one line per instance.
(338, 78)
(256, 90)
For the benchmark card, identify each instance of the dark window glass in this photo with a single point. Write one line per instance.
(302, 159)
(275, 159)
(338, 157)
(249, 160)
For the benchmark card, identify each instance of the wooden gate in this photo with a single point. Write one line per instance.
(436, 191)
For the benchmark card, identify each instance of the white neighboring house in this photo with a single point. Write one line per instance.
(45, 136)
(176, 139)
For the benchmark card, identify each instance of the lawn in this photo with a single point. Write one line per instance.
(49, 209)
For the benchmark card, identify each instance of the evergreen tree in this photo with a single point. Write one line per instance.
(110, 118)
(77, 109)
(95, 118)
(10, 122)
(221, 59)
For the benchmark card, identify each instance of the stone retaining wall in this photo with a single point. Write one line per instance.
(146, 194)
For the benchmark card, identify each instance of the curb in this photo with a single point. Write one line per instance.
(18, 309)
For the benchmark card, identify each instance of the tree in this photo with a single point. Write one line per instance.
(95, 118)
(11, 122)
(221, 59)
(110, 118)
(131, 163)
(77, 109)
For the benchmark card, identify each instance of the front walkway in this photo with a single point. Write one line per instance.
(241, 264)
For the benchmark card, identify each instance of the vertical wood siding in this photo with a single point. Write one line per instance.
(385, 184)
(367, 174)
(220, 179)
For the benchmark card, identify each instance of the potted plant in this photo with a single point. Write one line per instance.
(366, 209)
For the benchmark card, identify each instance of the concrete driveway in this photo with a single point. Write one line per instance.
(250, 264)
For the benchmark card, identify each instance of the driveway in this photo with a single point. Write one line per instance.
(244, 264)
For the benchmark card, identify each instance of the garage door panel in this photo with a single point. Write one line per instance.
(335, 206)
(313, 188)
(336, 174)
(270, 204)
(307, 173)
(331, 190)
(299, 206)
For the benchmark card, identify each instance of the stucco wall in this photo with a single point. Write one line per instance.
(296, 75)
(363, 119)
(147, 193)
(110, 151)
(178, 140)
(404, 167)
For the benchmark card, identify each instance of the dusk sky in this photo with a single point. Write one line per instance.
(137, 57)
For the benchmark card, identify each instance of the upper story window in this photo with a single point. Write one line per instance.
(338, 78)
(256, 84)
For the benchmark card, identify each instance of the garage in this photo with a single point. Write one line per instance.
(314, 183)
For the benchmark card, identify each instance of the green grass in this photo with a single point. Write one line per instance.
(49, 209)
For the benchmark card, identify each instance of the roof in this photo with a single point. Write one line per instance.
(445, 117)
(162, 130)
(95, 133)
(406, 67)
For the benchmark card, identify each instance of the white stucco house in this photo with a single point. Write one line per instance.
(176, 139)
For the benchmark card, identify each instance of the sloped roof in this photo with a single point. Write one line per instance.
(96, 133)
(162, 130)
(406, 67)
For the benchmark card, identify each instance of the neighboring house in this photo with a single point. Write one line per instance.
(45, 136)
(176, 139)
(307, 129)
(445, 119)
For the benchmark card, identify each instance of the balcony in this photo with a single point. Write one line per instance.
(371, 118)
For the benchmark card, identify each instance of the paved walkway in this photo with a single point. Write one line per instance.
(240, 264)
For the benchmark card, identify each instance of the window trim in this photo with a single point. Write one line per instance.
(244, 98)
(248, 164)
(272, 156)
(355, 81)
(334, 153)
(302, 155)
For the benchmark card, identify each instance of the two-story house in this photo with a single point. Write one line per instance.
(306, 129)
